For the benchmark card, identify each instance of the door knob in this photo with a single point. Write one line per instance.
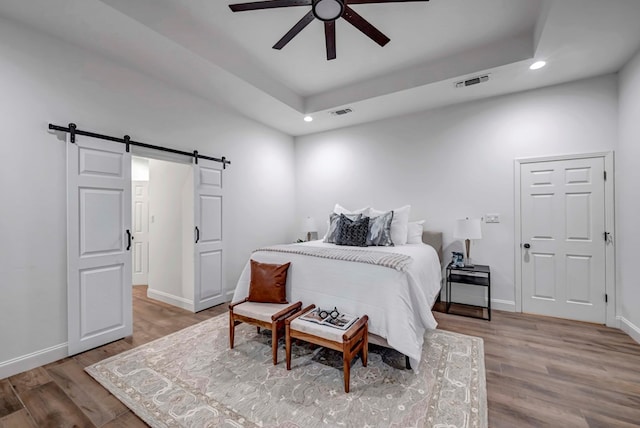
(527, 246)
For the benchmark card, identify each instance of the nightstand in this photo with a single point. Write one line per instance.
(479, 276)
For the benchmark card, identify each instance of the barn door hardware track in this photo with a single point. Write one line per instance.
(73, 130)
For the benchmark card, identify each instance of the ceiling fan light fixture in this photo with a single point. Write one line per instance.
(328, 10)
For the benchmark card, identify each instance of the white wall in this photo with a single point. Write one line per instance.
(628, 198)
(139, 169)
(44, 80)
(188, 237)
(171, 221)
(456, 162)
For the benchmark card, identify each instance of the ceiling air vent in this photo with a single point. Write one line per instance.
(472, 81)
(341, 112)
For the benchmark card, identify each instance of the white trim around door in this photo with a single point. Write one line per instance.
(610, 284)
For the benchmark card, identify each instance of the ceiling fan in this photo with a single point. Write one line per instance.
(327, 11)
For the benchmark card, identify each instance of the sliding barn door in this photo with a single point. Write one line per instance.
(98, 243)
(209, 271)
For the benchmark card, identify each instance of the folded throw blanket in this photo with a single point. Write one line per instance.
(399, 262)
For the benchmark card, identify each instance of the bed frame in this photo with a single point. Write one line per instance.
(435, 240)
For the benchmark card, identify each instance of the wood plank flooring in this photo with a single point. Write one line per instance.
(540, 372)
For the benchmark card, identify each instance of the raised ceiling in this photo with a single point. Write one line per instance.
(203, 47)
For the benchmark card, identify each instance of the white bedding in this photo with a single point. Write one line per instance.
(398, 303)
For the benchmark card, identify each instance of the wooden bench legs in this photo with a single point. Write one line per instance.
(275, 322)
(352, 346)
(354, 341)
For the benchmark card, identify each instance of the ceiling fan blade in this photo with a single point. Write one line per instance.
(363, 25)
(294, 30)
(270, 4)
(378, 1)
(330, 37)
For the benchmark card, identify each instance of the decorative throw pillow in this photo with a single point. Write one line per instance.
(398, 225)
(268, 283)
(414, 232)
(352, 232)
(330, 237)
(380, 230)
(339, 209)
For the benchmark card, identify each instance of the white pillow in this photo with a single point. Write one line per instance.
(339, 209)
(399, 224)
(414, 232)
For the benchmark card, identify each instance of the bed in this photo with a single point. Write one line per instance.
(397, 302)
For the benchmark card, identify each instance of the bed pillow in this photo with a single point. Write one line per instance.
(380, 230)
(339, 209)
(332, 230)
(352, 232)
(268, 283)
(414, 232)
(398, 225)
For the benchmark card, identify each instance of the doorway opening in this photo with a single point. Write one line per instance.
(162, 230)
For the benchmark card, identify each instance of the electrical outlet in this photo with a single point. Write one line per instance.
(492, 218)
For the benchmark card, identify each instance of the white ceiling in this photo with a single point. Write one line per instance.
(204, 48)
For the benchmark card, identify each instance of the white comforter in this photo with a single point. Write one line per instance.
(398, 303)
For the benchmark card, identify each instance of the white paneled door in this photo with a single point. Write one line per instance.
(98, 243)
(209, 272)
(140, 233)
(563, 239)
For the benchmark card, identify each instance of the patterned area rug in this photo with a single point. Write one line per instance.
(192, 379)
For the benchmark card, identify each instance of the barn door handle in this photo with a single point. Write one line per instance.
(197, 234)
(129, 238)
(527, 246)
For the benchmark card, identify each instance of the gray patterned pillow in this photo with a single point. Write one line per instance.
(333, 225)
(380, 230)
(352, 232)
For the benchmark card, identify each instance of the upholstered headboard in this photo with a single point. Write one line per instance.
(435, 240)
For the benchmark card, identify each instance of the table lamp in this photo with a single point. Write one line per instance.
(309, 225)
(468, 229)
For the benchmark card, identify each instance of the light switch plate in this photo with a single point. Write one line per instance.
(492, 218)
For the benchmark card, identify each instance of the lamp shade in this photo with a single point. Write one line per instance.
(468, 229)
(309, 225)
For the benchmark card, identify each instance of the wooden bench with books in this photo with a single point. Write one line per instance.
(344, 333)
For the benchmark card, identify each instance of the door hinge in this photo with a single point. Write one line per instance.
(606, 298)
(605, 176)
(606, 236)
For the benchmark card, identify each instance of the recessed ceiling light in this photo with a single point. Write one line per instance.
(308, 119)
(537, 65)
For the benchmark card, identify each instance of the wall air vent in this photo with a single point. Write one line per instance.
(472, 81)
(341, 112)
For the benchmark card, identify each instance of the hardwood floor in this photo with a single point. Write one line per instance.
(545, 371)
(62, 394)
(540, 372)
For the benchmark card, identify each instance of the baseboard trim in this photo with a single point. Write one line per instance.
(630, 328)
(170, 299)
(33, 360)
(503, 305)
